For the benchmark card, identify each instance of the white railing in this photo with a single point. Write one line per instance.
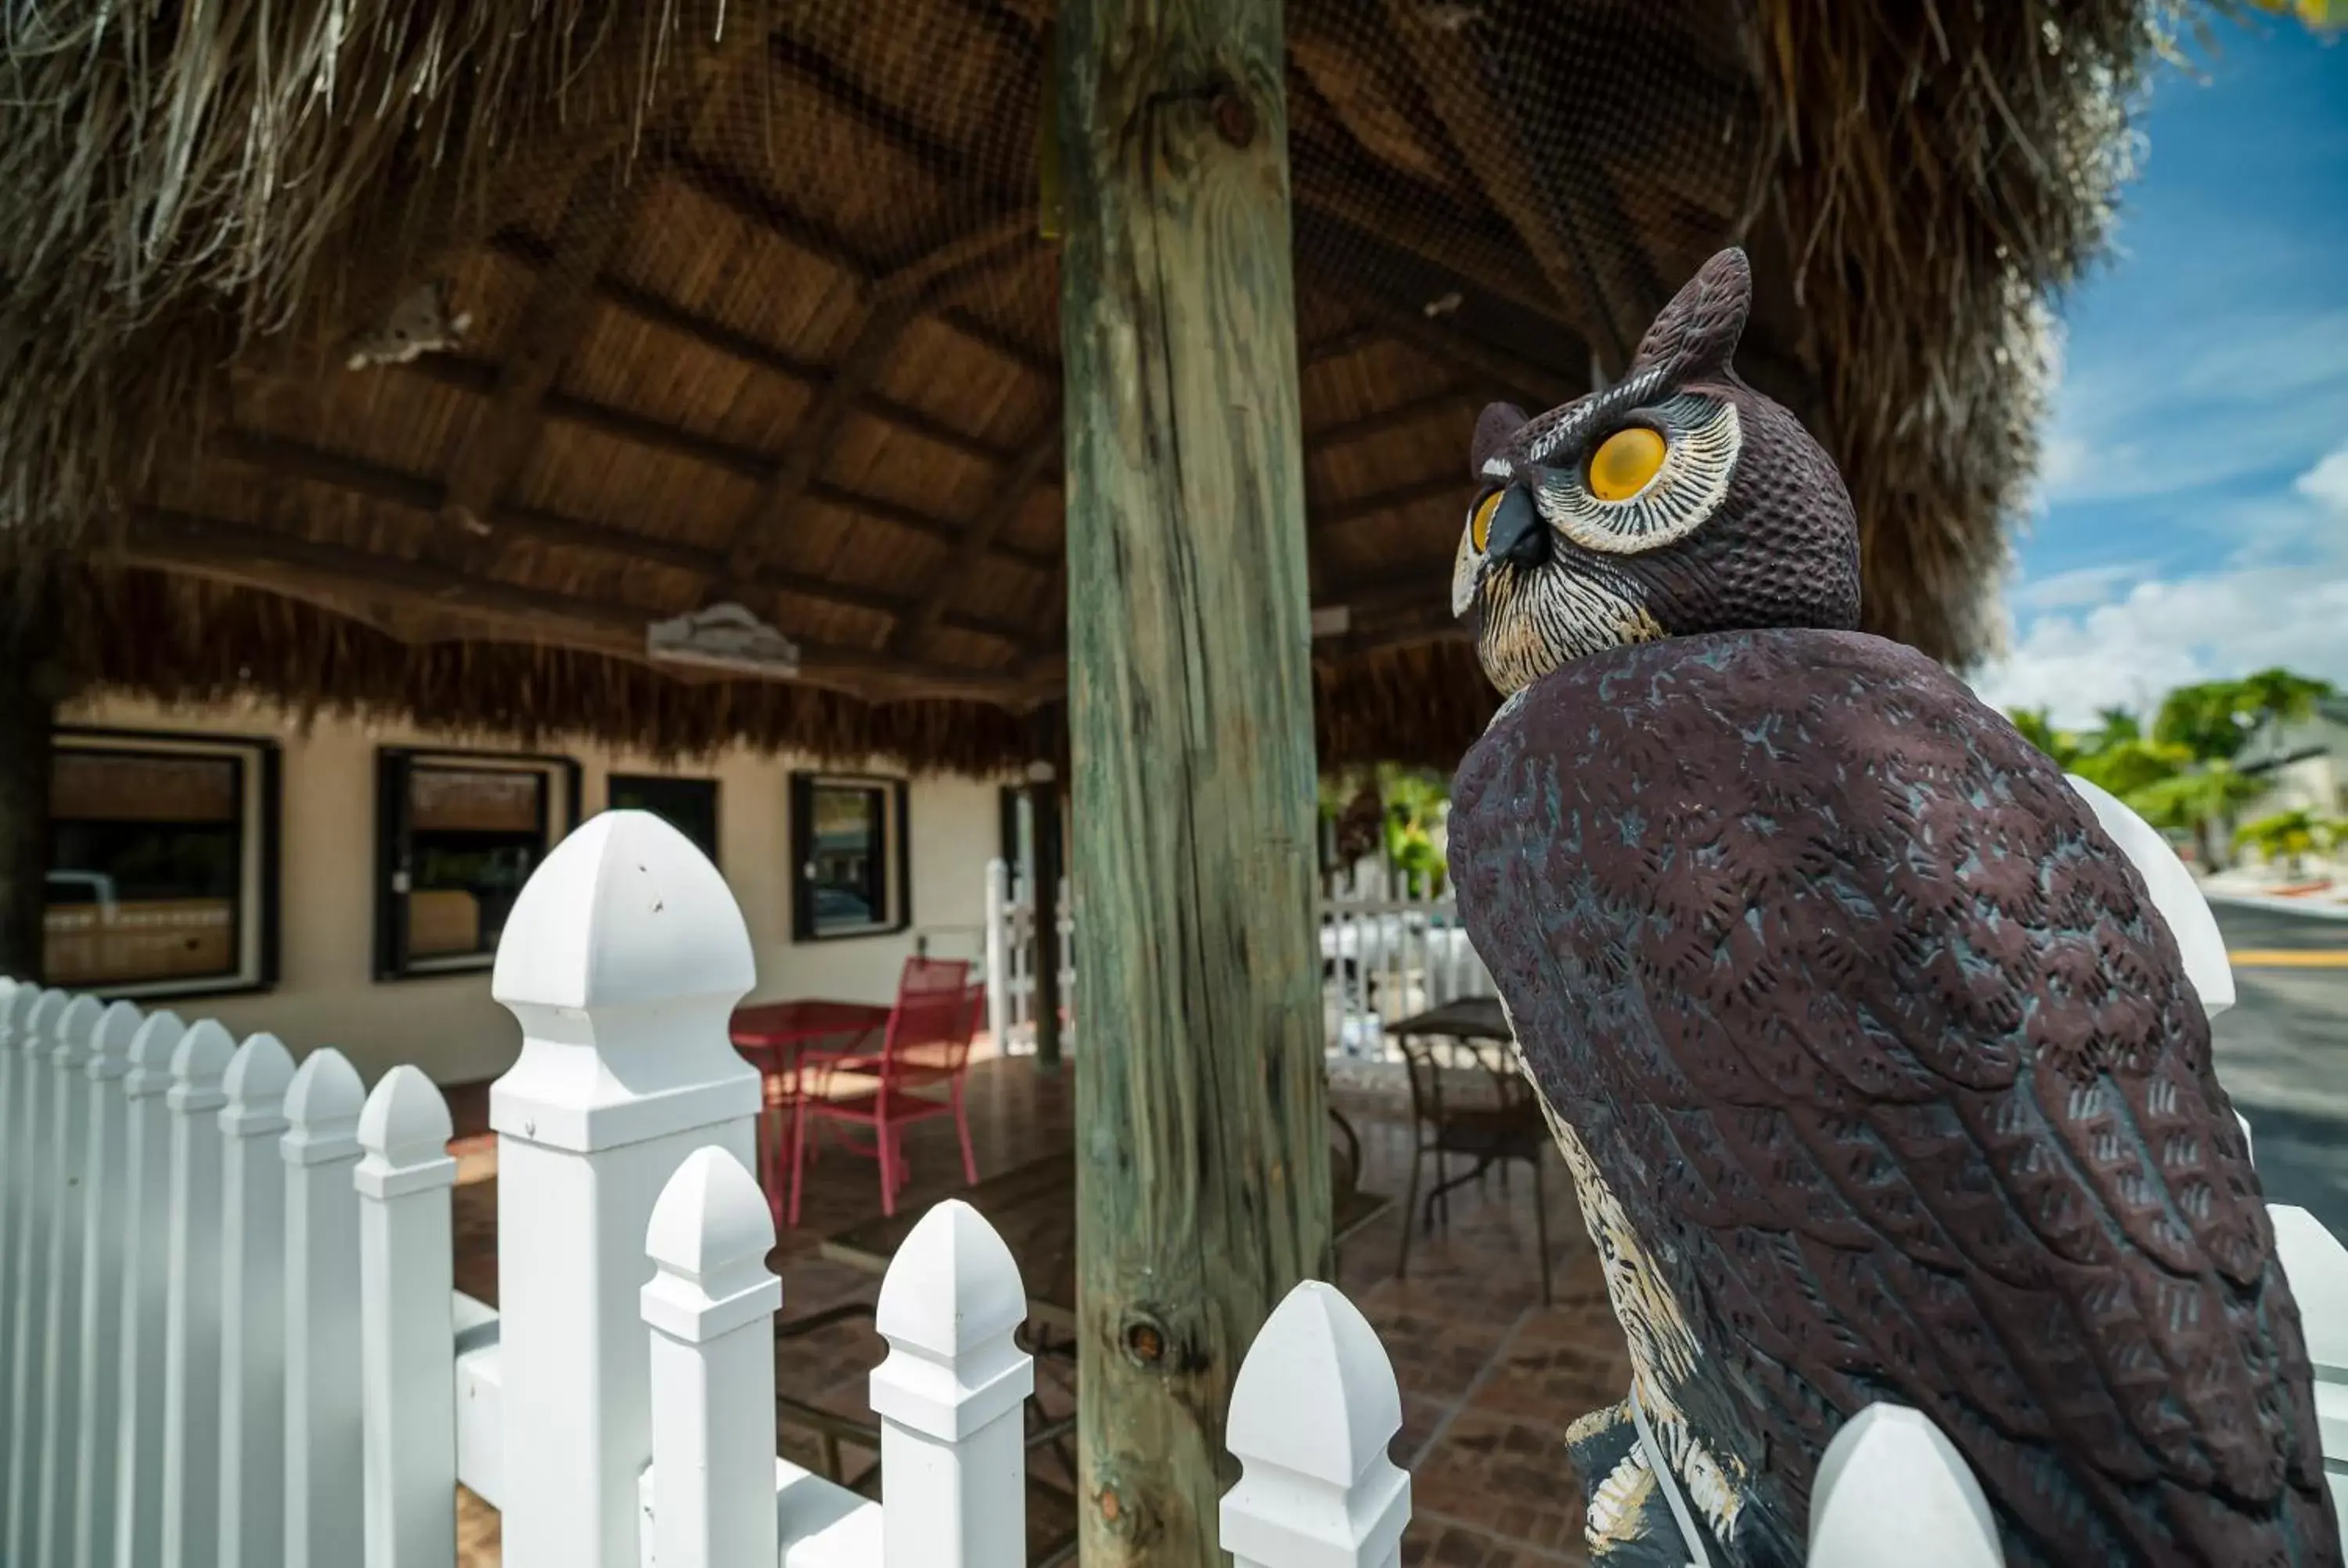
(231, 1338)
(1011, 960)
(1383, 958)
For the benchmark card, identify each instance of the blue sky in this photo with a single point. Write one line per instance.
(2193, 513)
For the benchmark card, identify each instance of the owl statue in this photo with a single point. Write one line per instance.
(1876, 1069)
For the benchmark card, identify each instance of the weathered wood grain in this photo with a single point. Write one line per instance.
(1202, 1162)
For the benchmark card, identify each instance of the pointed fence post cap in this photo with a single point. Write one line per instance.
(406, 1118)
(624, 910)
(203, 1053)
(156, 1043)
(1892, 1488)
(1316, 1395)
(710, 1217)
(16, 1007)
(259, 1074)
(325, 1088)
(37, 1030)
(708, 1239)
(75, 1026)
(949, 1305)
(257, 1079)
(953, 1287)
(110, 1043)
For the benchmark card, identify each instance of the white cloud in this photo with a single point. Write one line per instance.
(2326, 483)
(2108, 637)
(2082, 588)
(2129, 653)
(2183, 414)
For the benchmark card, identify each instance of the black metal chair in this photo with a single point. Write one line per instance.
(1509, 1127)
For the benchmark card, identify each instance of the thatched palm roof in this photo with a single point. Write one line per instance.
(769, 314)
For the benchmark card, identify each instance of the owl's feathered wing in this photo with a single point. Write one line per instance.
(1889, 1066)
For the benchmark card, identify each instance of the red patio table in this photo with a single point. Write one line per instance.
(770, 1036)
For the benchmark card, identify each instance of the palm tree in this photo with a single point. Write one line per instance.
(2125, 766)
(1414, 800)
(2196, 801)
(2291, 836)
(2035, 727)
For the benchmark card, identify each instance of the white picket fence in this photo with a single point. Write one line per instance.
(232, 1339)
(1383, 958)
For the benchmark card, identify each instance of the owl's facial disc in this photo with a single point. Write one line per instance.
(1548, 557)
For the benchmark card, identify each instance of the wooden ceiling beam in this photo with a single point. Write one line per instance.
(597, 215)
(1415, 493)
(1337, 345)
(476, 376)
(1464, 82)
(913, 631)
(1396, 417)
(179, 542)
(914, 287)
(654, 310)
(1537, 386)
(745, 199)
(413, 493)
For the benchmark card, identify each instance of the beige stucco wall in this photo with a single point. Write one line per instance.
(448, 1025)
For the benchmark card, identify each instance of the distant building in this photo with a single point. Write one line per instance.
(2304, 762)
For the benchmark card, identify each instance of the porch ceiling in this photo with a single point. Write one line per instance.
(781, 326)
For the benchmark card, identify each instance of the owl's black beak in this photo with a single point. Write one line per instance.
(1519, 536)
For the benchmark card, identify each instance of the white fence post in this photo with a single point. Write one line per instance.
(325, 1499)
(998, 955)
(60, 1396)
(623, 960)
(29, 1284)
(711, 1309)
(1941, 1519)
(106, 1201)
(2316, 1265)
(192, 1329)
(407, 1328)
(953, 1454)
(16, 1207)
(1313, 1412)
(253, 1307)
(138, 1500)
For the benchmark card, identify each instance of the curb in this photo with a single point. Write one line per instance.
(2284, 906)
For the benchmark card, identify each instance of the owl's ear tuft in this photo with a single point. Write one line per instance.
(1698, 331)
(1495, 428)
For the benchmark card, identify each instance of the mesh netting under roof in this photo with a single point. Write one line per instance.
(770, 310)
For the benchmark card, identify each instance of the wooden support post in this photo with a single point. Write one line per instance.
(1202, 1164)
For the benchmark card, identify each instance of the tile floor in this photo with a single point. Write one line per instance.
(1489, 1375)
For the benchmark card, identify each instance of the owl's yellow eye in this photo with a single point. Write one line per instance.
(1479, 521)
(1625, 464)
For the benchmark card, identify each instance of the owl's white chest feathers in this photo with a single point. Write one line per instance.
(1664, 1350)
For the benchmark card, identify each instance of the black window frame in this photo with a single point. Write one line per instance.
(260, 793)
(896, 853)
(655, 784)
(393, 765)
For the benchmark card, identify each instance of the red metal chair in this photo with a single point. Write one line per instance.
(927, 1042)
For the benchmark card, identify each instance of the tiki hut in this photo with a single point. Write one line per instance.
(425, 421)
(762, 303)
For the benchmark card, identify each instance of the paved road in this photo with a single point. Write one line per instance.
(2282, 1054)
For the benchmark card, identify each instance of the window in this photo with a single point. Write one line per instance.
(848, 835)
(458, 837)
(162, 874)
(689, 805)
